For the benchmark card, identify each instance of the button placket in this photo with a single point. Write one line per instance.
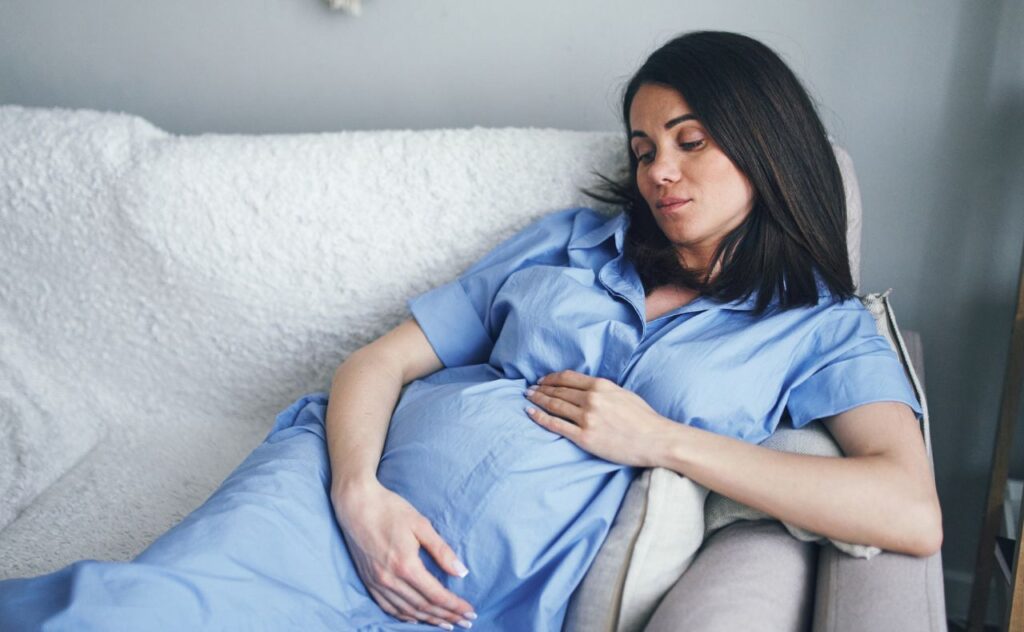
(626, 336)
(618, 286)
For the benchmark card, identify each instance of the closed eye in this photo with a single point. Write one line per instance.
(688, 146)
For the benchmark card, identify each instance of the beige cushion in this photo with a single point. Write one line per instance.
(661, 525)
(653, 539)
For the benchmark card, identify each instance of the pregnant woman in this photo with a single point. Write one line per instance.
(677, 332)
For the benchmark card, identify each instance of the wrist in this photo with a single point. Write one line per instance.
(349, 489)
(670, 446)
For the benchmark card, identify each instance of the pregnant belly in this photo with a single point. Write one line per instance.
(450, 444)
(512, 498)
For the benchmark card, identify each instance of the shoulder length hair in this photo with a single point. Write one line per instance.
(759, 114)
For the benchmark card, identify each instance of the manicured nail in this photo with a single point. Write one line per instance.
(541, 380)
(530, 409)
(469, 615)
(465, 624)
(531, 390)
(446, 626)
(460, 569)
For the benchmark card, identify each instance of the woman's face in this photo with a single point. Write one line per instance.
(695, 193)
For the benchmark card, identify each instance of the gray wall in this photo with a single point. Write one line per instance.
(927, 96)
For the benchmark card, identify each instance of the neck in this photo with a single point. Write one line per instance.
(697, 262)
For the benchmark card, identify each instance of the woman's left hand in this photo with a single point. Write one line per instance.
(600, 416)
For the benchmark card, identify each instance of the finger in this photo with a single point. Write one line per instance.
(442, 602)
(443, 554)
(390, 607)
(396, 593)
(384, 603)
(420, 592)
(440, 616)
(568, 377)
(554, 424)
(445, 557)
(557, 406)
(572, 395)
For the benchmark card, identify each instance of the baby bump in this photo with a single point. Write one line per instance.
(513, 499)
(447, 444)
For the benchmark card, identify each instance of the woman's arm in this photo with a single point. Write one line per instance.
(364, 392)
(882, 493)
(383, 531)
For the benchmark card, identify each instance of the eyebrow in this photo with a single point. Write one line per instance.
(673, 122)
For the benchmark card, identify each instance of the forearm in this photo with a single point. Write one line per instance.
(363, 395)
(856, 499)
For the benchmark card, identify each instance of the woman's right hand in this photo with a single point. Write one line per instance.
(384, 533)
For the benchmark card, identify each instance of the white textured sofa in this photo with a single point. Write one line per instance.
(163, 297)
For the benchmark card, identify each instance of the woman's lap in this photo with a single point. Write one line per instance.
(750, 575)
(270, 527)
(263, 552)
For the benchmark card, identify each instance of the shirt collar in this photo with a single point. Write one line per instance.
(613, 226)
(616, 226)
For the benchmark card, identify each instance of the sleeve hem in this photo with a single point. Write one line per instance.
(452, 325)
(877, 381)
(839, 409)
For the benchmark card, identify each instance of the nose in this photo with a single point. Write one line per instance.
(664, 169)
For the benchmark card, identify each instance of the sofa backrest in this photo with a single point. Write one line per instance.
(145, 271)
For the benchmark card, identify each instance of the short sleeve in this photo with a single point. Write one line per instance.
(456, 316)
(847, 364)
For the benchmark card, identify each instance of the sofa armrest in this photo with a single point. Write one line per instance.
(915, 351)
(891, 591)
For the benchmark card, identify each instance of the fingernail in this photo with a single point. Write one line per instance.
(541, 380)
(460, 569)
(465, 624)
(531, 390)
(446, 626)
(469, 615)
(530, 409)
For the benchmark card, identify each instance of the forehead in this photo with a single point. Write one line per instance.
(655, 104)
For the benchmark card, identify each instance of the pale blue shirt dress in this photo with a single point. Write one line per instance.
(525, 509)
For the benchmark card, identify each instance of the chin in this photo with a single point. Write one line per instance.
(680, 236)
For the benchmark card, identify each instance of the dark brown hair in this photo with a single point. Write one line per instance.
(759, 114)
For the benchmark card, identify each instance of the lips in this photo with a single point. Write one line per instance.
(671, 203)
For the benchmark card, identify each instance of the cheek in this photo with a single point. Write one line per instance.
(645, 188)
(735, 189)
(746, 193)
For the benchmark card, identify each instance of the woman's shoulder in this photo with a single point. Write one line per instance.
(583, 219)
(548, 235)
(593, 217)
(840, 321)
(592, 226)
(573, 227)
(833, 309)
(845, 309)
(571, 221)
(820, 326)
